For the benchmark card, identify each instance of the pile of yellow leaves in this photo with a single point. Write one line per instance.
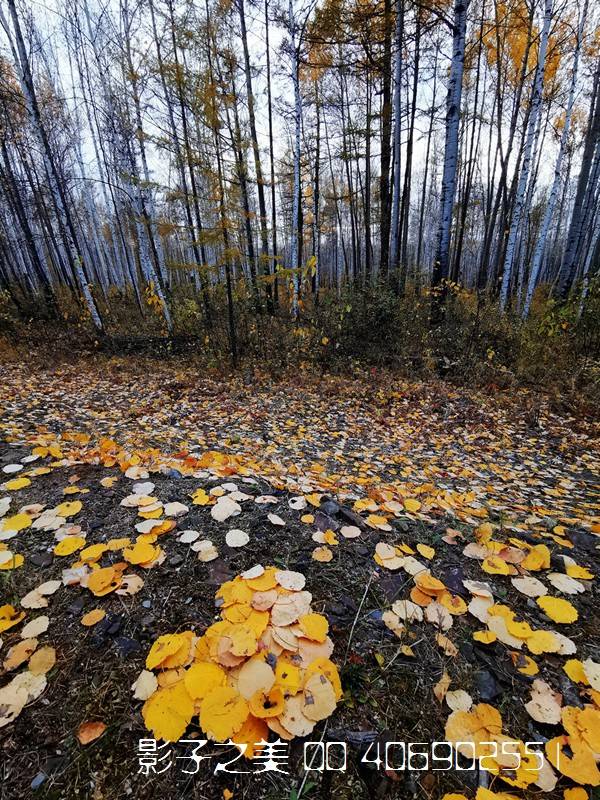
(428, 593)
(263, 667)
(575, 754)
(478, 734)
(504, 626)
(28, 684)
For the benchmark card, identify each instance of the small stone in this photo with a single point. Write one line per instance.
(453, 579)
(351, 516)
(54, 763)
(127, 646)
(329, 507)
(76, 606)
(41, 560)
(467, 651)
(38, 780)
(324, 522)
(271, 660)
(486, 684)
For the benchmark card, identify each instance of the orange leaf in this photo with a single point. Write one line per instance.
(90, 731)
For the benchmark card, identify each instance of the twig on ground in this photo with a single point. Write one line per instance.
(358, 610)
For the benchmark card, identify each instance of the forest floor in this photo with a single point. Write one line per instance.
(470, 485)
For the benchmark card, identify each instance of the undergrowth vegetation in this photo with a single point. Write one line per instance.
(556, 351)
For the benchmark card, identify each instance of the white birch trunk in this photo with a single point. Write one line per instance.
(453, 101)
(393, 264)
(26, 84)
(297, 188)
(145, 200)
(113, 223)
(538, 253)
(532, 128)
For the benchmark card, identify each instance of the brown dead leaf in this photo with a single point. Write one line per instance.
(90, 731)
(447, 645)
(442, 686)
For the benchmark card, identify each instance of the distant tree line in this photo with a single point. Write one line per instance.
(296, 148)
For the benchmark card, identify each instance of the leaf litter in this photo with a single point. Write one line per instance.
(452, 523)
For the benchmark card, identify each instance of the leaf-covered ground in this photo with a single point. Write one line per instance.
(386, 483)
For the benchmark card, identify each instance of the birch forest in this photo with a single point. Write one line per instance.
(210, 168)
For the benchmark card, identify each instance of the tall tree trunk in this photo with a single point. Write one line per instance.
(336, 203)
(54, 179)
(260, 183)
(119, 238)
(297, 189)
(190, 161)
(549, 212)
(346, 158)
(316, 199)
(471, 160)
(272, 163)
(418, 265)
(386, 128)
(242, 174)
(406, 191)
(486, 274)
(584, 189)
(221, 199)
(395, 223)
(13, 195)
(198, 252)
(367, 211)
(155, 268)
(592, 255)
(453, 102)
(532, 128)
